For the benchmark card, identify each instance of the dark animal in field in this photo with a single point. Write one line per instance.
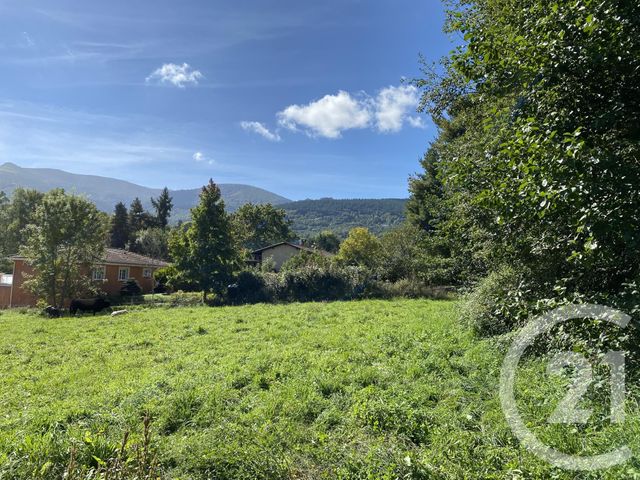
(52, 312)
(94, 305)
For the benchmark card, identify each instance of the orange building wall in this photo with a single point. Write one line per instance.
(19, 296)
(5, 295)
(111, 285)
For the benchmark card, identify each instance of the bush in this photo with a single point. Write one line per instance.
(249, 287)
(313, 283)
(498, 304)
(174, 280)
(306, 259)
(131, 288)
(161, 276)
(306, 283)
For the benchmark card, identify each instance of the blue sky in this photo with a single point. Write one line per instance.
(303, 98)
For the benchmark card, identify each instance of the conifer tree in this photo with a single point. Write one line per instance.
(163, 206)
(204, 253)
(119, 235)
(136, 216)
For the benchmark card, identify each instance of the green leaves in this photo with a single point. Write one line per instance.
(540, 143)
(67, 235)
(204, 252)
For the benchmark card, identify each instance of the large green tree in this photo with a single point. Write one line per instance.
(539, 142)
(66, 238)
(163, 206)
(4, 222)
(257, 226)
(152, 242)
(137, 220)
(204, 252)
(327, 241)
(361, 248)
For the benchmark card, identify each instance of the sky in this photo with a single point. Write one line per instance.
(304, 98)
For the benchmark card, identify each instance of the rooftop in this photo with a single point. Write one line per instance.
(121, 257)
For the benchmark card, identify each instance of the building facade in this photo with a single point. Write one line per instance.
(280, 253)
(109, 275)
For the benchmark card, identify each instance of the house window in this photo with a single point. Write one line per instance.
(123, 274)
(99, 273)
(146, 273)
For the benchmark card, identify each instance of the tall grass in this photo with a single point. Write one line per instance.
(356, 390)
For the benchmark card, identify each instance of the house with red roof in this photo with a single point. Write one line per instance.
(109, 275)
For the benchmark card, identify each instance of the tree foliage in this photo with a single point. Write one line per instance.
(361, 248)
(204, 251)
(326, 240)
(67, 236)
(15, 215)
(163, 206)
(119, 235)
(538, 144)
(260, 225)
(152, 242)
(139, 219)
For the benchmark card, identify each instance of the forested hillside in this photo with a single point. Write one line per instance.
(311, 217)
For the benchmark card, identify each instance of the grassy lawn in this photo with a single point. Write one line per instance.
(370, 390)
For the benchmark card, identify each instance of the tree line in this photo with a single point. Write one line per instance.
(529, 193)
(62, 235)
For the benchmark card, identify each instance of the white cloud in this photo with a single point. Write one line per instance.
(393, 105)
(177, 75)
(201, 158)
(27, 41)
(329, 116)
(416, 122)
(260, 129)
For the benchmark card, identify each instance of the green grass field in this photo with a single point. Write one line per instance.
(366, 390)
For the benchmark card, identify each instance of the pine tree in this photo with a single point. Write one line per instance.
(119, 235)
(163, 206)
(204, 253)
(136, 216)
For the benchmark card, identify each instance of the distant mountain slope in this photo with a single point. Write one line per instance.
(313, 216)
(106, 192)
(309, 216)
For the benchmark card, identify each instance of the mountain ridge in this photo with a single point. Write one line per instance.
(105, 191)
(309, 217)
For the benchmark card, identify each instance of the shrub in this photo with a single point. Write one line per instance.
(306, 259)
(249, 287)
(174, 280)
(498, 304)
(131, 288)
(161, 276)
(313, 283)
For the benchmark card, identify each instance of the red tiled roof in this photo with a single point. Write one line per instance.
(121, 257)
